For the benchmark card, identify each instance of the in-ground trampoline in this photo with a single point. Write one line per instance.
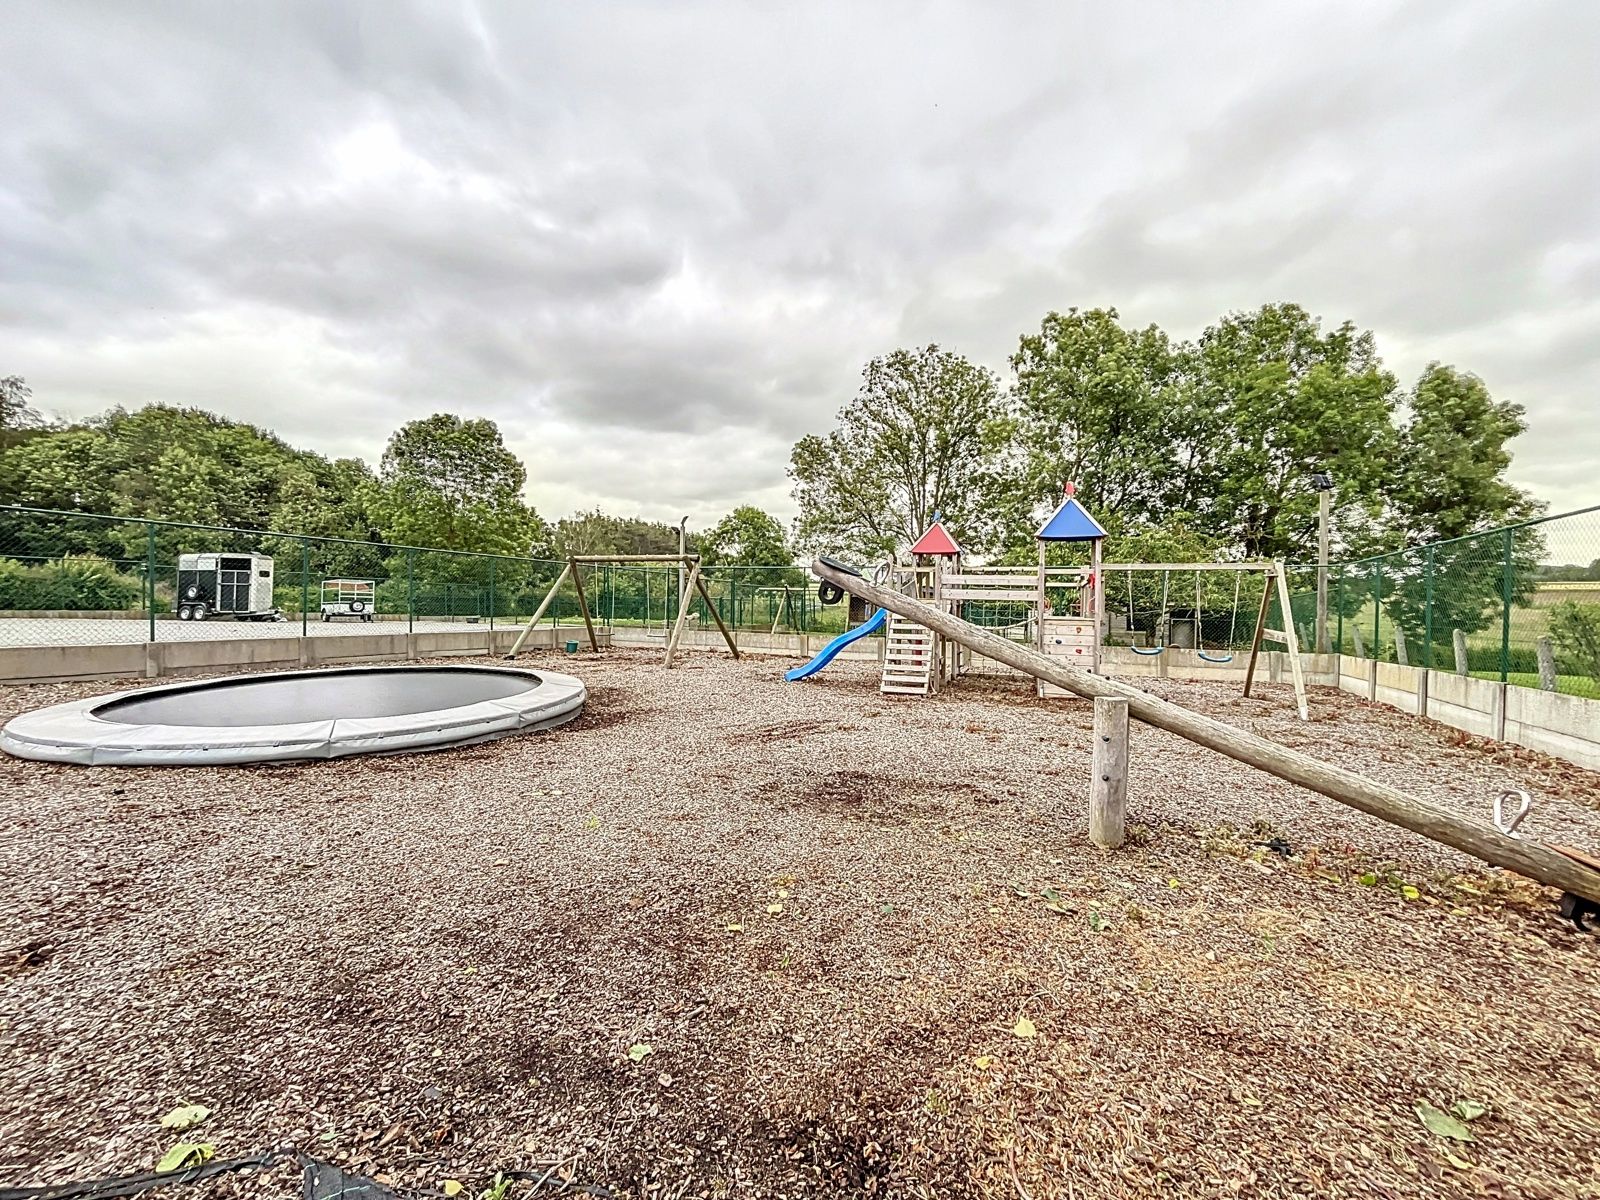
(296, 715)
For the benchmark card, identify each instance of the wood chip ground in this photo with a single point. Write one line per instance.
(825, 913)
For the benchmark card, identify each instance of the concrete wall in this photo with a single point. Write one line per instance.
(152, 660)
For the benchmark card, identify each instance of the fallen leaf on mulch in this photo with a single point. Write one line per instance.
(1442, 1124)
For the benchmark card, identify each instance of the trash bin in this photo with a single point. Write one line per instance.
(572, 647)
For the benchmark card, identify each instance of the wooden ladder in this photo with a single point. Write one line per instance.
(908, 658)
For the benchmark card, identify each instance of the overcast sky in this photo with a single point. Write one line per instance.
(657, 242)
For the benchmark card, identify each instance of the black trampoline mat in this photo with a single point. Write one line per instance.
(318, 696)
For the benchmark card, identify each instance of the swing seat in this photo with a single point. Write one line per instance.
(1215, 658)
(1140, 650)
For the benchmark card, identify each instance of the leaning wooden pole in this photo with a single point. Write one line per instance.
(683, 614)
(583, 604)
(538, 613)
(711, 608)
(1477, 838)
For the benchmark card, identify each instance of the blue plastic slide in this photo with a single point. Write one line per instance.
(829, 652)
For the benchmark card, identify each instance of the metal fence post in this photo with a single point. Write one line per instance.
(491, 595)
(1377, 608)
(1505, 609)
(150, 573)
(1339, 591)
(1427, 615)
(411, 591)
(305, 585)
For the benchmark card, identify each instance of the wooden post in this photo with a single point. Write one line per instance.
(1547, 664)
(715, 615)
(533, 621)
(1291, 642)
(1355, 636)
(683, 613)
(1261, 632)
(1430, 819)
(1324, 505)
(1400, 655)
(1097, 576)
(583, 604)
(1459, 640)
(1108, 785)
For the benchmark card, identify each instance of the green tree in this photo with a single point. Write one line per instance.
(451, 483)
(1100, 405)
(1575, 634)
(750, 538)
(1274, 399)
(920, 437)
(598, 532)
(1447, 481)
(17, 414)
(1447, 478)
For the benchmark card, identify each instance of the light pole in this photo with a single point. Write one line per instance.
(1324, 486)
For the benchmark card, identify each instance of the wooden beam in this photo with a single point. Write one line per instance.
(583, 606)
(683, 613)
(1108, 781)
(593, 560)
(715, 615)
(1261, 632)
(538, 613)
(1477, 838)
(1292, 643)
(1241, 566)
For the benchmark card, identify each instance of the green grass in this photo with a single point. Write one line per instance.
(1572, 685)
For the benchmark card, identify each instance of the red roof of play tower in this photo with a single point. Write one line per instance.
(936, 541)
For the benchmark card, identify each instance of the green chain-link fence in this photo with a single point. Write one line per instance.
(71, 578)
(1519, 604)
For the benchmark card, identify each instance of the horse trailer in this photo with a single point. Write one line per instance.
(225, 585)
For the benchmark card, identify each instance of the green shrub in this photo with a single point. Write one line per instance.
(1575, 634)
(77, 582)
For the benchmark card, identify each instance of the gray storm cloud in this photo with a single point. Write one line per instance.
(658, 242)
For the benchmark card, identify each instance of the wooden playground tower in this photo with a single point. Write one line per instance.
(917, 661)
(1065, 607)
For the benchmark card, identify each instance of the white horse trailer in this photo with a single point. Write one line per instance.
(225, 585)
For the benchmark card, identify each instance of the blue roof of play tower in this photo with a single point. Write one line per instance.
(1070, 523)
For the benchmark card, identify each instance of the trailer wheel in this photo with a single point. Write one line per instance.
(357, 606)
(185, 613)
(198, 612)
(191, 592)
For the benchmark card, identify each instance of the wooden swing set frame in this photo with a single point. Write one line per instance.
(1286, 637)
(574, 570)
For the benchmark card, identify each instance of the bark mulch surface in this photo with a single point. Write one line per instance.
(856, 945)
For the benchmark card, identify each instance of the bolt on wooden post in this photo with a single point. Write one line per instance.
(1108, 785)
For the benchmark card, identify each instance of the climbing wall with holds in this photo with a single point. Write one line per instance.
(1075, 641)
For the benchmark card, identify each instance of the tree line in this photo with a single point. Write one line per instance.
(444, 481)
(1216, 439)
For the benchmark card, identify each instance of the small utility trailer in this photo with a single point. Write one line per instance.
(225, 585)
(353, 598)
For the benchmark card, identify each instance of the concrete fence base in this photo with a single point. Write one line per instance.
(153, 660)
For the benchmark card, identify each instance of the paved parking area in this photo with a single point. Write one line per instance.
(56, 631)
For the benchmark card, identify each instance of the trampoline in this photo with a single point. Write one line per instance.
(296, 715)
